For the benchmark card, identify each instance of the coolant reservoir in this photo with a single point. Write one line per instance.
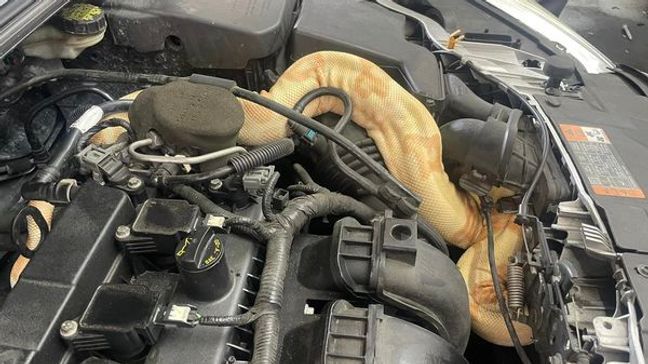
(75, 28)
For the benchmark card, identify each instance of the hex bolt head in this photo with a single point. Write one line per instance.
(123, 232)
(134, 183)
(215, 185)
(69, 328)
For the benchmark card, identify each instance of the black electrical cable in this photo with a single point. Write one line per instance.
(315, 94)
(309, 185)
(253, 228)
(303, 174)
(328, 91)
(266, 199)
(115, 106)
(204, 203)
(499, 292)
(89, 75)
(32, 138)
(524, 204)
(307, 189)
(67, 145)
(237, 320)
(245, 226)
(301, 105)
(311, 123)
(114, 122)
(49, 101)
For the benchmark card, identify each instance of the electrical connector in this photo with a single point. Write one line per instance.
(179, 315)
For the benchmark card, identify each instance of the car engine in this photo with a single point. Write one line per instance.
(290, 182)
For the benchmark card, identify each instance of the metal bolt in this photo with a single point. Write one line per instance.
(134, 183)
(69, 328)
(215, 185)
(123, 232)
(642, 269)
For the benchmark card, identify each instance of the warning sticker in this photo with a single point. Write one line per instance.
(602, 166)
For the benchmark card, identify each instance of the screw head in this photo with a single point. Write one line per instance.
(134, 183)
(642, 269)
(122, 232)
(69, 328)
(215, 185)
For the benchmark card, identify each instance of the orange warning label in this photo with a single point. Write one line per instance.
(617, 191)
(600, 162)
(575, 133)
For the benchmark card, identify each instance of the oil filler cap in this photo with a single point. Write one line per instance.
(204, 273)
(200, 253)
(81, 19)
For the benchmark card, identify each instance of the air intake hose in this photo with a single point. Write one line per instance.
(389, 261)
(409, 140)
(464, 102)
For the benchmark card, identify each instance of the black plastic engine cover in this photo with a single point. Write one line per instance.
(319, 325)
(367, 335)
(208, 344)
(368, 30)
(78, 254)
(605, 133)
(223, 34)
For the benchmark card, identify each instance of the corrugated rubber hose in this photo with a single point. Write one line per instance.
(409, 140)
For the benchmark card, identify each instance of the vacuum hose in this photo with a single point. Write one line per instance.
(409, 140)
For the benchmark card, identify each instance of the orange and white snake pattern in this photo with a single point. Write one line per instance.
(33, 237)
(409, 140)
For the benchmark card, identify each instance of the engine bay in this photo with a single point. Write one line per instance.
(291, 182)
